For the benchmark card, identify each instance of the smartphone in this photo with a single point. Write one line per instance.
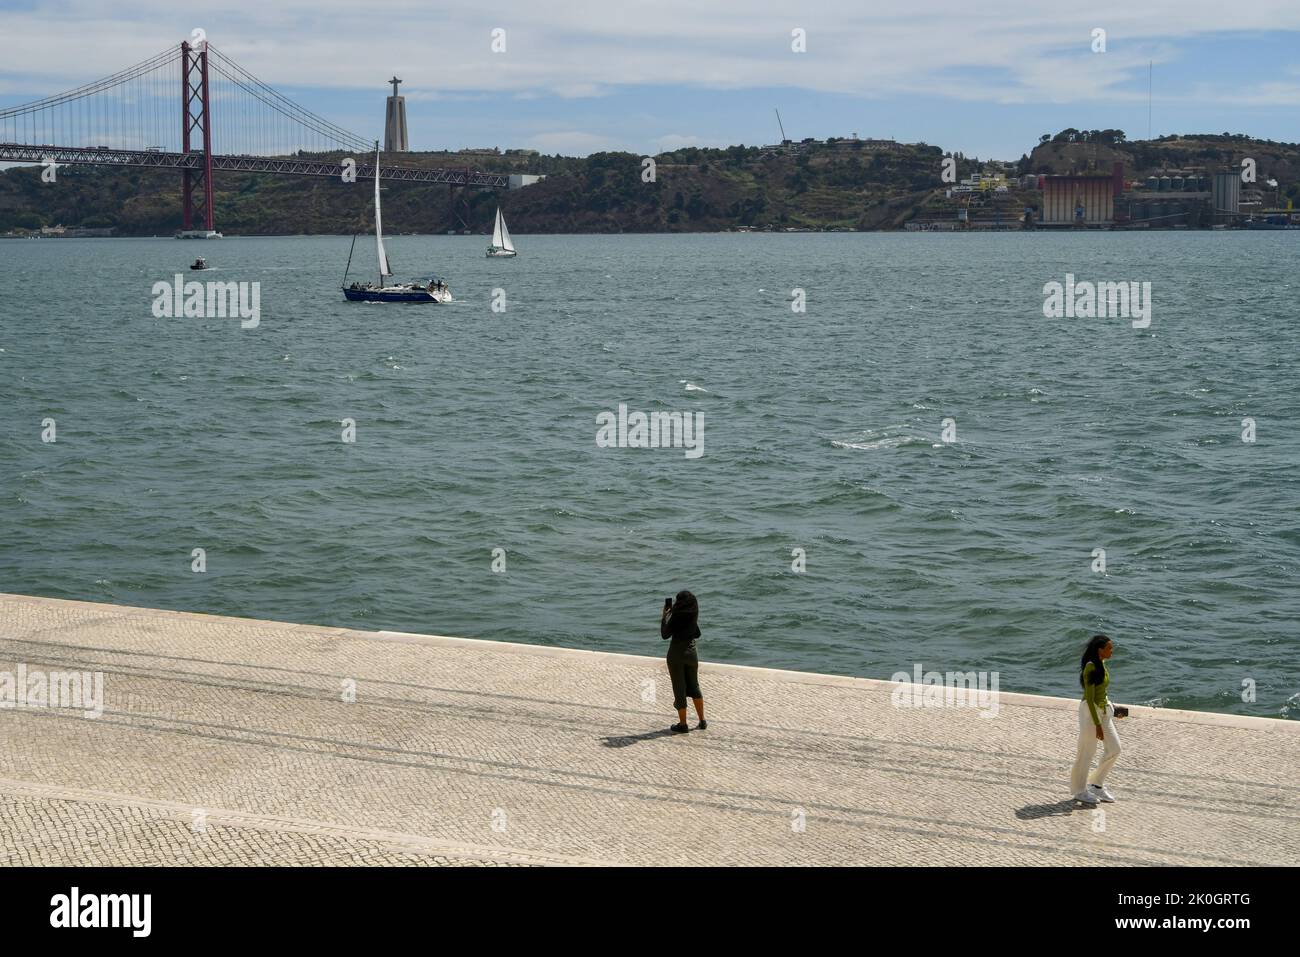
(668, 603)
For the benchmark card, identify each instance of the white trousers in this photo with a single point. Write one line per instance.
(1079, 777)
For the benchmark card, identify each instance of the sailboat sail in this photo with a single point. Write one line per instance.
(497, 228)
(505, 233)
(501, 243)
(379, 226)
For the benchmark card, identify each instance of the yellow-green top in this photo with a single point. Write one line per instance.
(1095, 694)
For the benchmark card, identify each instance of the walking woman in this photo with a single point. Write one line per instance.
(680, 623)
(1096, 723)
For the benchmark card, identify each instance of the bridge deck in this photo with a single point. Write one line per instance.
(290, 166)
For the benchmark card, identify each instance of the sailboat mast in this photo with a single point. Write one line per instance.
(349, 265)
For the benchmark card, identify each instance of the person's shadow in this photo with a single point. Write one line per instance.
(1032, 812)
(627, 740)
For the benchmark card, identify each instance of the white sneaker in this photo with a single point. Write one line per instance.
(1086, 797)
(1102, 793)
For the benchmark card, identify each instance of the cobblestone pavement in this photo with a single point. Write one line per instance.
(232, 741)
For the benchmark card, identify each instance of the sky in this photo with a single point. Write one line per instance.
(984, 79)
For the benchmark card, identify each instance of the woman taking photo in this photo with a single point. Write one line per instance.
(680, 623)
(1096, 723)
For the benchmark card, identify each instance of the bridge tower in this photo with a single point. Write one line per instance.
(196, 113)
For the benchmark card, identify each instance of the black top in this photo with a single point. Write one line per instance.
(683, 629)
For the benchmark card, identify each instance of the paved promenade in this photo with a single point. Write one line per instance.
(230, 741)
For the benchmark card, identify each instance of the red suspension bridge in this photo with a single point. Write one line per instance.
(130, 119)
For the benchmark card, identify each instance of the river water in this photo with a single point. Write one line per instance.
(826, 526)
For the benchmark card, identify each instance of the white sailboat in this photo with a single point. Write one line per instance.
(431, 289)
(501, 244)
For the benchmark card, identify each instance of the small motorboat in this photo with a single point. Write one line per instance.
(200, 263)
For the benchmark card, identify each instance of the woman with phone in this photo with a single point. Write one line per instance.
(679, 625)
(1096, 723)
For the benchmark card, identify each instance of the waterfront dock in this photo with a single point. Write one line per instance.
(235, 741)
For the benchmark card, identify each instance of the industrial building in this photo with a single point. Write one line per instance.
(1170, 199)
(1226, 196)
(1086, 199)
(1178, 199)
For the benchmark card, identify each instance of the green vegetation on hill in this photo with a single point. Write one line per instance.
(692, 190)
(843, 184)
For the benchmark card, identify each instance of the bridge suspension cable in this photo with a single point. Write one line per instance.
(328, 136)
(133, 104)
(137, 108)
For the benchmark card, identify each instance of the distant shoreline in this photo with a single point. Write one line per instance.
(1050, 230)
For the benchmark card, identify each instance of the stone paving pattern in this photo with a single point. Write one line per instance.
(464, 753)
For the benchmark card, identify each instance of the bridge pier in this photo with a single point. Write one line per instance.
(194, 94)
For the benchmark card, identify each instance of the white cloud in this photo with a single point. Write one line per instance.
(1269, 95)
(572, 143)
(675, 141)
(579, 49)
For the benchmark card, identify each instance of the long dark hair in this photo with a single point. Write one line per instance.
(686, 610)
(1092, 653)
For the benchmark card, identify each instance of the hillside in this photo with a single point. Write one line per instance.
(1142, 158)
(694, 190)
(811, 185)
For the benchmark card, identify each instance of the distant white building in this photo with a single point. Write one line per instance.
(520, 180)
(981, 183)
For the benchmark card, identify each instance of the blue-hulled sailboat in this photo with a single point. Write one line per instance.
(431, 289)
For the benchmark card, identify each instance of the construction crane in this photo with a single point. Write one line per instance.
(784, 141)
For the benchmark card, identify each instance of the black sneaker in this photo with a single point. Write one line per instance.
(703, 725)
(678, 729)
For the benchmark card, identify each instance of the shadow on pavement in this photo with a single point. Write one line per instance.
(1032, 812)
(625, 740)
